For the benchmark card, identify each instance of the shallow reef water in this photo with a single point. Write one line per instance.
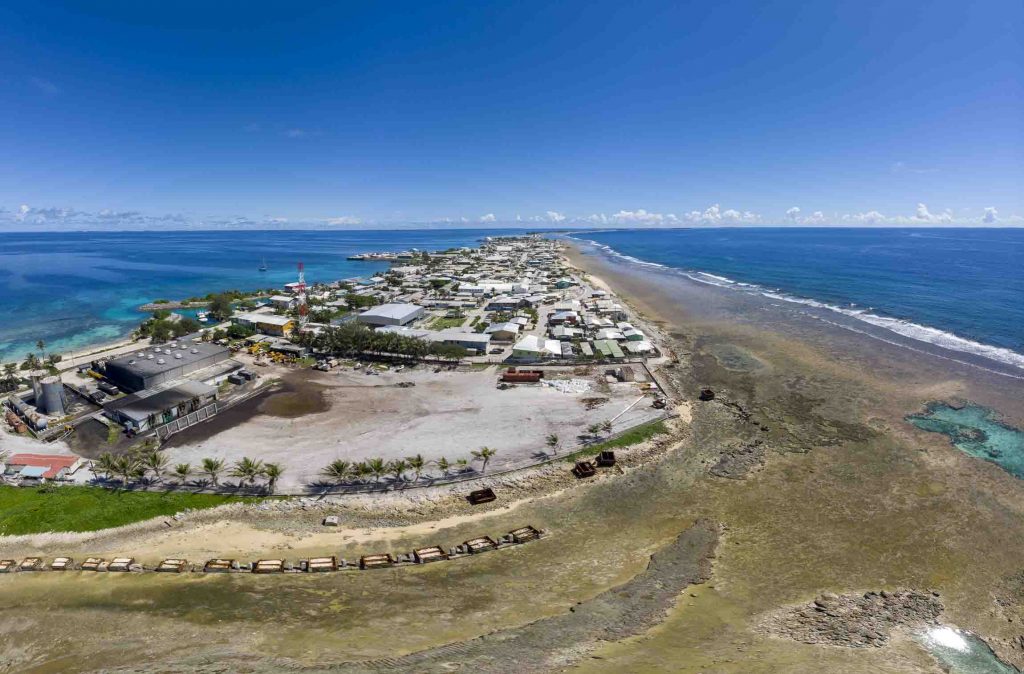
(961, 652)
(976, 431)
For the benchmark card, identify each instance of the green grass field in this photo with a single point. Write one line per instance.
(634, 436)
(63, 508)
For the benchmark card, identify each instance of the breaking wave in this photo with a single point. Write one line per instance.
(899, 326)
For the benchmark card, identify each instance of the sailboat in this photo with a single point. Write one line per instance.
(263, 265)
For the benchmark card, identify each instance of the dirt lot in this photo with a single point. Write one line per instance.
(318, 417)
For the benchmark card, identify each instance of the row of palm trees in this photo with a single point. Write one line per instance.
(353, 339)
(141, 464)
(340, 471)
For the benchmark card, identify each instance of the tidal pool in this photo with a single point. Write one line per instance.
(974, 430)
(961, 652)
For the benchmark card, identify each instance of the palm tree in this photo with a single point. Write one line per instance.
(247, 470)
(594, 429)
(444, 466)
(124, 466)
(155, 461)
(273, 472)
(337, 471)
(484, 454)
(104, 464)
(462, 465)
(362, 471)
(182, 471)
(397, 468)
(213, 468)
(552, 442)
(606, 426)
(377, 468)
(416, 464)
(41, 346)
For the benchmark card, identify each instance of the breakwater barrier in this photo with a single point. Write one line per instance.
(326, 563)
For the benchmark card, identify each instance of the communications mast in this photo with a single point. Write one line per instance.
(300, 292)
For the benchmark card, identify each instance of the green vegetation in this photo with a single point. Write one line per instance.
(236, 331)
(64, 508)
(355, 338)
(443, 322)
(359, 301)
(220, 306)
(633, 436)
(161, 328)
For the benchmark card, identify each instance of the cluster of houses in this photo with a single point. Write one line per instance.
(511, 297)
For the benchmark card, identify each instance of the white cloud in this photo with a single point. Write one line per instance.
(991, 215)
(555, 216)
(869, 218)
(344, 220)
(922, 213)
(490, 217)
(815, 218)
(643, 217)
(296, 133)
(714, 215)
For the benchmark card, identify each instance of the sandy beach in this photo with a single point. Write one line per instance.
(800, 477)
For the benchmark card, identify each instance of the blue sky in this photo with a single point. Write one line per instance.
(670, 113)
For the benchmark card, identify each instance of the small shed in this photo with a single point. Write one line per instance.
(7, 565)
(61, 563)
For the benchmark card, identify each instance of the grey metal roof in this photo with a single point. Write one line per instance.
(140, 362)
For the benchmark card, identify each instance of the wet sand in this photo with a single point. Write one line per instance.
(848, 498)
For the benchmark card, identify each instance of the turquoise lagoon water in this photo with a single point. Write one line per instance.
(974, 430)
(77, 289)
(961, 652)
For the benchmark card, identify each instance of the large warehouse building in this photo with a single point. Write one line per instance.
(391, 314)
(151, 367)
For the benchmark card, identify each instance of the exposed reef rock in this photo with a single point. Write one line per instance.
(856, 621)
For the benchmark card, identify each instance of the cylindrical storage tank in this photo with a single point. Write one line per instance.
(53, 397)
(36, 377)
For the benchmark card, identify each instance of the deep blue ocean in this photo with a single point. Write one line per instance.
(962, 289)
(77, 289)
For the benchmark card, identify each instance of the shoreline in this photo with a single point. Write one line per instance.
(839, 495)
(930, 338)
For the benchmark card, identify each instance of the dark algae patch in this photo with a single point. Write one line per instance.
(976, 431)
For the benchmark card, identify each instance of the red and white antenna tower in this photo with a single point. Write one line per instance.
(300, 291)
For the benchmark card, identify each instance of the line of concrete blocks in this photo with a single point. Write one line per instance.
(425, 555)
